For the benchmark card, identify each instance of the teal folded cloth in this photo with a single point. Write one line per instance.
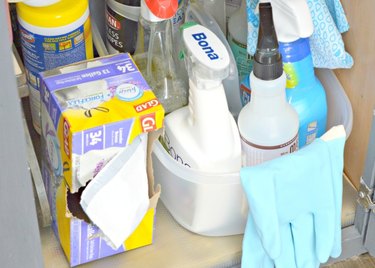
(326, 43)
(295, 207)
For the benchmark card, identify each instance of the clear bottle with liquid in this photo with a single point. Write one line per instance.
(155, 56)
(268, 124)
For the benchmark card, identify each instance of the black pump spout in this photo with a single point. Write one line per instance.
(267, 59)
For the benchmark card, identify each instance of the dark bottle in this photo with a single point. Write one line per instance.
(121, 25)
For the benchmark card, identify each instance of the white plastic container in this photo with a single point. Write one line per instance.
(214, 205)
(204, 203)
(339, 106)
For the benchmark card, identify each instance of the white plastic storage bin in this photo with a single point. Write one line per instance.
(203, 203)
(339, 108)
(215, 205)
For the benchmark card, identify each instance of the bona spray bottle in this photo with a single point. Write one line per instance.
(204, 134)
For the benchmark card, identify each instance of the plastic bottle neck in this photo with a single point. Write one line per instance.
(268, 97)
(205, 104)
(297, 63)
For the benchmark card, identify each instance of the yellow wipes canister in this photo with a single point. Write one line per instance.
(51, 36)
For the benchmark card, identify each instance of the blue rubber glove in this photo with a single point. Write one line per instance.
(295, 207)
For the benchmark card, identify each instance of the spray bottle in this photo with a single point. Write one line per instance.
(304, 91)
(204, 134)
(155, 56)
(268, 125)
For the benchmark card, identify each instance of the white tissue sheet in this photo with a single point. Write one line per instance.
(88, 165)
(117, 199)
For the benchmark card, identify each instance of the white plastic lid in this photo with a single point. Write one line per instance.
(205, 55)
(38, 3)
(292, 19)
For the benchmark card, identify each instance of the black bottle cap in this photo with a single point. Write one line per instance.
(267, 58)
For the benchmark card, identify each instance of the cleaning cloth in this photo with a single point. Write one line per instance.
(116, 200)
(327, 46)
(295, 206)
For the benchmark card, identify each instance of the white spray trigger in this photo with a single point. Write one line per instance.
(206, 58)
(292, 20)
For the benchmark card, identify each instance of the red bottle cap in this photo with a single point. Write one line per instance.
(164, 9)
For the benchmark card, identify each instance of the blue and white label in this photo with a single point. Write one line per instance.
(42, 53)
(178, 18)
(89, 101)
(128, 92)
(206, 47)
(201, 38)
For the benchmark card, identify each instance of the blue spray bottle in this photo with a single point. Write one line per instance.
(304, 91)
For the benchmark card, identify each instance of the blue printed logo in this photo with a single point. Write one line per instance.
(128, 92)
(88, 101)
(201, 38)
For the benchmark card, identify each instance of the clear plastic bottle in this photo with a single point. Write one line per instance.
(237, 39)
(293, 25)
(268, 124)
(154, 54)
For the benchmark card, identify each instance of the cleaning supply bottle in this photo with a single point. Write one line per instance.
(204, 135)
(53, 33)
(197, 13)
(179, 18)
(237, 39)
(268, 125)
(304, 91)
(154, 53)
(121, 25)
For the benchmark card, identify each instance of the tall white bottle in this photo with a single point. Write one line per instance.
(268, 124)
(204, 135)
